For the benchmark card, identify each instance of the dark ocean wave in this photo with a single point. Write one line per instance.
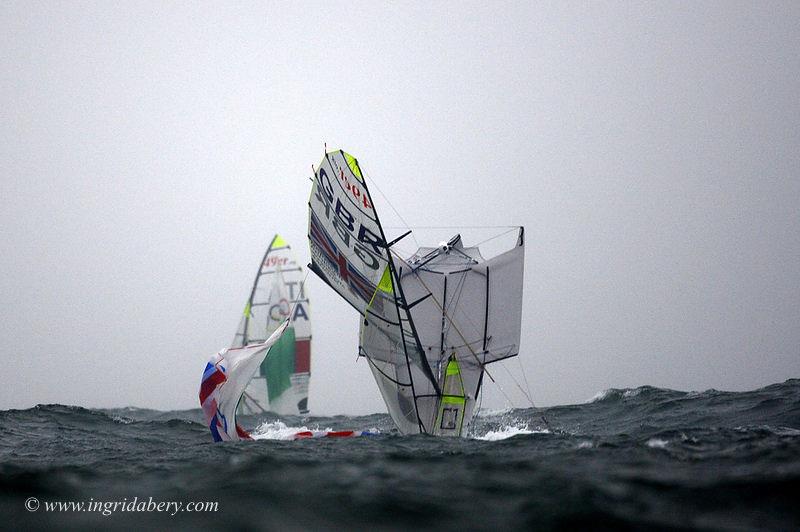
(631, 458)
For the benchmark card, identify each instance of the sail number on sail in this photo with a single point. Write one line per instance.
(354, 190)
(365, 243)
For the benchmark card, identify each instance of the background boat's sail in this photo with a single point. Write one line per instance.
(224, 380)
(408, 332)
(281, 384)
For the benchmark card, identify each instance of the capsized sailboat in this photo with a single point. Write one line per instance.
(224, 380)
(281, 382)
(430, 323)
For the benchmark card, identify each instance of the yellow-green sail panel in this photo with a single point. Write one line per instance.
(353, 164)
(450, 420)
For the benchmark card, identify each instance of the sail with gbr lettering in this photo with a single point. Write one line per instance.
(281, 383)
(430, 323)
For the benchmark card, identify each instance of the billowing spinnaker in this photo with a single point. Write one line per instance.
(281, 384)
(224, 380)
(429, 324)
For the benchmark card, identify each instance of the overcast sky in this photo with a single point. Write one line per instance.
(149, 152)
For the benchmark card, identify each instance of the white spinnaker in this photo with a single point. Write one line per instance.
(237, 365)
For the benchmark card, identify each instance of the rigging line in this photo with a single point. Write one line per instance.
(527, 396)
(509, 229)
(509, 403)
(458, 292)
(495, 236)
(478, 408)
(367, 176)
(246, 396)
(472, 351)
(528, 386)
(454, 326)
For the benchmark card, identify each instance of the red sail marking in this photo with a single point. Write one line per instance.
(302, 356)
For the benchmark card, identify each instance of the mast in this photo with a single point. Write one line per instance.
(396, 283)
(253, 291)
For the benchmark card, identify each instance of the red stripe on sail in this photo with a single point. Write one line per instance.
(302, 356)
(243, 433)
(209, 384)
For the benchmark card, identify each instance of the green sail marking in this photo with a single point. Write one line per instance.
(279, 365)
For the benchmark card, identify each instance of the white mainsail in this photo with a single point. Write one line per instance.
(430, 323)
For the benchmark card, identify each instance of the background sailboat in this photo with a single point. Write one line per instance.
(282, 381)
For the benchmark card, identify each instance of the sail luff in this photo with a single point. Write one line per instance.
(350, 254)
(253, 291)
(354, 167)
(424, 361)
(396, 282)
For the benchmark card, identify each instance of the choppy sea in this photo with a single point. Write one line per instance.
(642, 458)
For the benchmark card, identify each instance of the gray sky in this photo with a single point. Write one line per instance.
(149, 151)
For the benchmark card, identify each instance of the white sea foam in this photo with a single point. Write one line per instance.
(509, 431)
(278, 430)
(626, 393)
(778, 431)
(585, 445)
(487, 412)
(599, 396)
(657, 443)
